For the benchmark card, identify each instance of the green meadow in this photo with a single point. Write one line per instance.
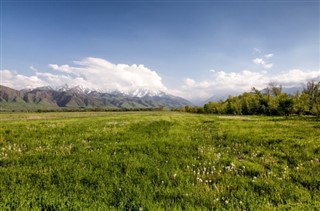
(158, 161)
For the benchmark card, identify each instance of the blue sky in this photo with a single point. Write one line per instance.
(194, 49)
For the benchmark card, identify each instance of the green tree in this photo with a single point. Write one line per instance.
(274, 89)
(189, 109)
(285, 106)
(215, 107)
(313, 90)
(301, 103)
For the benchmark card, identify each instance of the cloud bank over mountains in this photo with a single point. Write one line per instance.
(102, 75)
(92, 73)
(222, 82)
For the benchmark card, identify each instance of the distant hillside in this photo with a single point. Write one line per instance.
(46, 98)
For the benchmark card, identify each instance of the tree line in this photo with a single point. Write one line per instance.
(270, 101)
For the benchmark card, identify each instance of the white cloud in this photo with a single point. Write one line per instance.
(295, 77)
(102, 75)
(93, 73)
(268, 55)
(235, 83)
(258, 61)
(262, 62)
(14, 80)
(189, 82)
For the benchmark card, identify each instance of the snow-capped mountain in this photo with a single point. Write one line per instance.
(145, 92)
(83, 90)
(81, 97)
(75, 89)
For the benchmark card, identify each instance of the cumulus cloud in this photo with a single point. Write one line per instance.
(295, 77)
(261, 62)
(92, 73)
(237, 82)
(14, 80)
(102, 75)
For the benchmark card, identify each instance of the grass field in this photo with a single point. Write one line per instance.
(158, 161)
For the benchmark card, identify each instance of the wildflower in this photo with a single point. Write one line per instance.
(199, 179)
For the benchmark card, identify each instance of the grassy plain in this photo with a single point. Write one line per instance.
(158, 161)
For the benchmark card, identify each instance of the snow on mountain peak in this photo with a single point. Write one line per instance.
(75, 89)
(145, 92)
(141, 92)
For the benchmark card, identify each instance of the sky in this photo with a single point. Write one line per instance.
(192, 49)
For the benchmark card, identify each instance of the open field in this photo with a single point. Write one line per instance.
(158, 160)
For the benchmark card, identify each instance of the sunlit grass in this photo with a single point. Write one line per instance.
(158, 160)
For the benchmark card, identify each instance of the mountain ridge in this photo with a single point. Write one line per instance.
(43, 98)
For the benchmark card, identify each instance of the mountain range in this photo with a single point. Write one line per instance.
(47, 98)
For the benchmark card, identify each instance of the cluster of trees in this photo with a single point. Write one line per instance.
(270, 101)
